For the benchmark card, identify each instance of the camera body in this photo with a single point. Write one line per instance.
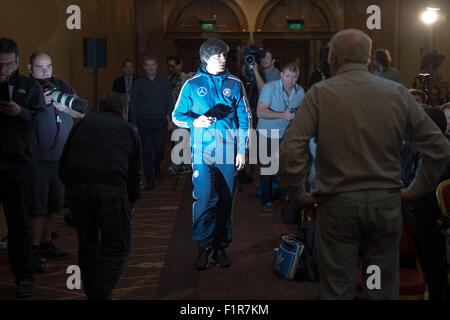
(422, 81)
(253, 54)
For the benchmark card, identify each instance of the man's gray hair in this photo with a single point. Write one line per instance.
(112, 101)
(212, 47)
(351, 46)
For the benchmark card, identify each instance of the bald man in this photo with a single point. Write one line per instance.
(362, 120)
(49, 189)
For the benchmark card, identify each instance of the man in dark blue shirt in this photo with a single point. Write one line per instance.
(150, 104)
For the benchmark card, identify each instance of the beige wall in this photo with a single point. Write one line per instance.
(41, 26)
(412, 37)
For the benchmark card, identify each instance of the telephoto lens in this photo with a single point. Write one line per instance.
(68, 100)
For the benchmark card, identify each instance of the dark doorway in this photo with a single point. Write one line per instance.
(285, 51)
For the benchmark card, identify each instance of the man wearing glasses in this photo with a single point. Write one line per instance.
(21, 114)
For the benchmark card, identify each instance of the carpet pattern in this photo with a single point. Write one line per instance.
(161, 264)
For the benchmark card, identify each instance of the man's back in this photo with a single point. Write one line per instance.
(391, 74)
(362, 120)
(102, 148)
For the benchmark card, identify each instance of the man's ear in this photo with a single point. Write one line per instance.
(124, 112)
(30, 67)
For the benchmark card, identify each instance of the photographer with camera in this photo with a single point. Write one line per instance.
(270, 72)
(382, 62)
(48, 186)
(276, 109)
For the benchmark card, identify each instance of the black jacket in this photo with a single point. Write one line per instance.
(119, 84)
(103, 148)
(18, 135)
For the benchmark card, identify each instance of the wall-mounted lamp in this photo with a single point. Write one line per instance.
(430, 15)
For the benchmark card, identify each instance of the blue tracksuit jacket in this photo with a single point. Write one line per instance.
(201, 93)
(213, 172)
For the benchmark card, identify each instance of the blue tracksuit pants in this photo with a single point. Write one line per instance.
(214, 189)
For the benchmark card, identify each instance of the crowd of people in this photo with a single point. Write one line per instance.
(376, 151)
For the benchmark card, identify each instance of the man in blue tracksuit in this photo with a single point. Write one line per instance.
(214, 106)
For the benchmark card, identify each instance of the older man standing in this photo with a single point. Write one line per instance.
(359, 121)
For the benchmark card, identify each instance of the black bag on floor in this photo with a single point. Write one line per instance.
(307, 268)
(290, 213)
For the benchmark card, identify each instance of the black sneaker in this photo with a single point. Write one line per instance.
(268, 207)
(53, 253)
(149, 186)
(38, 263)
(202, 261)
(220, 258)
(172, 171)
(24, 288)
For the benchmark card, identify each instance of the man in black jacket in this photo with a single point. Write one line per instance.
(124, 83)
(100, 168)
(19, 119)
(151, 103)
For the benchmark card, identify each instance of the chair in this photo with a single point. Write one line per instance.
(443, 196)
(412, 284)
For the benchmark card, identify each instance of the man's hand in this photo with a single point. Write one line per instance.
(59, 106)
(310, 202)
(48, 96)
(240, 162)
(288, 115)
(408, 196)
(202, 122)
(10, 108)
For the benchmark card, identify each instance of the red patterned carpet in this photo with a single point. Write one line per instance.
(161, 264)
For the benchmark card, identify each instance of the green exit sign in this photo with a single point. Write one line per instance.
(207, 25)
(295, 25)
